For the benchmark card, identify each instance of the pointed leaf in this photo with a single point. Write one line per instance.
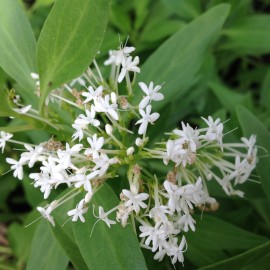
(46, 254)
(108, 248)
(177, 60)
(17, 46)
(69, 40)
(257, 258)
(213, 237)
(250, 124)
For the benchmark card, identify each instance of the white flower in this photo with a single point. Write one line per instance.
(147, 117)
(175, 251)
(151, 94)
(159, 213)
(116, 57)
(46, 213)
(57, 173)
(174, 152)
(65, 155)
(33, 155)
(17, 166)
(103, 162)
(250, 144)
(192, 194)
(186, 221)
(96, 144)
(103, 105)
(135, 200)
(215, 130)
(81, 179)
(23, 110)
(104, 216)
(4, 137)
(152, 234)
(42, 180)
(172, 195)
(78, 134)
(123, 214)
(78, 211)
(189, 136)
(84, 120)
(128, 65)
(92, 94)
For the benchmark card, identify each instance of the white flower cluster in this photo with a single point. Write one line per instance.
(105, 129)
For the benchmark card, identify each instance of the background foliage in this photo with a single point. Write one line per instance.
(213, 56)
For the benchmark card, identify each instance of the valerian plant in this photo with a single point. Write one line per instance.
(117, 170)
(110, 132)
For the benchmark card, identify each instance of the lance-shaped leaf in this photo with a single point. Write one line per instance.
(250, 124)
(69, 40)
(46, 253)
(257, 258)
(177, 61)
(104, 247)
(17, 46)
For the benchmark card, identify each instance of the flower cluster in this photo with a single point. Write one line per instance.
(109, 133)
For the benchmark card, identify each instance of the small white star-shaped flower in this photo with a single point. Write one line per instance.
(46, 213)
(135, 200)
(147, 117)
(128, 65)
(4, 137)
(78, 212)
(151, 94)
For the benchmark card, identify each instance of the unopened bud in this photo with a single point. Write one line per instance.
(88, 197)
(139, 142)
(130, 151)
(108, 129)
(113, 97)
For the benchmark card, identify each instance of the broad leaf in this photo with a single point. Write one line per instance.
(17, 46)
(64, 234)
(107, 248)
(69, 41)
(46, 254)
(249, 35)
(214, 236)
(257, 258)
(177, 61)
(250, 124)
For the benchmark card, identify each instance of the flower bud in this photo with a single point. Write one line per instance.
(88, 197)
(108, 129)
(139, 142)
(130, 151)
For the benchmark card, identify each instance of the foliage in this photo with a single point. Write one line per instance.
(214, 59)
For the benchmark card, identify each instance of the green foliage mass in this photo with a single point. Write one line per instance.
(214, 59)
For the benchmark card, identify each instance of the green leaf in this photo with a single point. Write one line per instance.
(108, 248)
(46, 254)
(65, 236)
(265, 93)
(177, 60)
(187, 9)
(250, 124)
(213, 236)
(249, 35)
(69, 40)
(229, 99)
(257, 258)
(17, 46)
